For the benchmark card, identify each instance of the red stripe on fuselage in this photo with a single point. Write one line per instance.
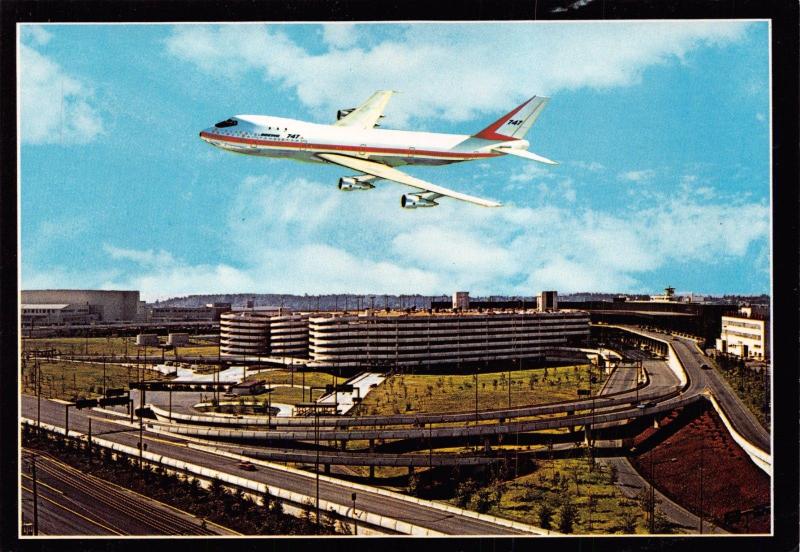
(342, 147)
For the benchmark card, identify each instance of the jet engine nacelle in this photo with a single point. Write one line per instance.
(411, 201)
(349, 183)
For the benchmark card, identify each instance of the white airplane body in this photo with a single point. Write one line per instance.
(354, 142)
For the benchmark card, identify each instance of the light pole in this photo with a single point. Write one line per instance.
(316, 471)
(702, 446)
(355, 519)
(38, 397)
(652, 505)
(35, 496)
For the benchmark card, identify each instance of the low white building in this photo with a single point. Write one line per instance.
(178, 339)
(744, 336)
(56, 313)
(148, 340)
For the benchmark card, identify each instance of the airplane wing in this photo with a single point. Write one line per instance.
(388, 173)
(367, 114)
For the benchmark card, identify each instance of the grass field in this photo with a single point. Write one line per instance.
(454, 393)
(601, 507)
(288, 395)
(66, 380)
(315, 379)
(751, 385)
(115, 346)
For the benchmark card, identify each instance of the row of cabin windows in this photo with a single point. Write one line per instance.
(233, 122)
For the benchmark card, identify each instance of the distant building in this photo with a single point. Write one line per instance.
(426, 339)
(178, 339)
(107, 305)
(248, 388)
(56, 314)
(147, 340)
(668, 296)
(401, 338)
(245, 332)
(745, 335)
(461, 300)
(548, 301)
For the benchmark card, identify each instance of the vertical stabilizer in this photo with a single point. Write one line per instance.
(515, 124)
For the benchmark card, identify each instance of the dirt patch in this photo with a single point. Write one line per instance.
(696, 463)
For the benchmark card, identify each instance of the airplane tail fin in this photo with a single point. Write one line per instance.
(515, 124)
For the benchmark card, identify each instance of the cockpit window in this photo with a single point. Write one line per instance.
(227, 123)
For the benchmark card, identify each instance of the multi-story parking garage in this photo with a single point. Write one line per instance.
(244, 332)
(288, 335)
(423, 339)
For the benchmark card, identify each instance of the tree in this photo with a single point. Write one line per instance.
(464, 492)
(661, 524)
(613, 474)
(629, 520)
(568, 515)
(329, 522)
(546, 516)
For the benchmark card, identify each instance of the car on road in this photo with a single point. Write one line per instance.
(246, 465)
(705, 367)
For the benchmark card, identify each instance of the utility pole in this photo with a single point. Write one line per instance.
(316, 443)
(355, 519)
(38, 397)
(702, 446)
(653, 497)
(35, 496)
(104, 376)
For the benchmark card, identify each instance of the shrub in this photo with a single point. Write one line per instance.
(545, 516)
(568, 515)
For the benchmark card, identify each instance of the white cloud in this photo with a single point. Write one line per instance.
(476, 81)
(339, 35)
(531, 171)
(146, 258)
(637, 176)
(55, 106)
(315, 239)
(594, 166)
(35, 34)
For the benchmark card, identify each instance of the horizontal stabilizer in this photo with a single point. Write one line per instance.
(526, 155)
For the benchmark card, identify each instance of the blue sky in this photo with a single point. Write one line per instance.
(662, 131)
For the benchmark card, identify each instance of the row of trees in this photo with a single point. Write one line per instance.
(217, 503)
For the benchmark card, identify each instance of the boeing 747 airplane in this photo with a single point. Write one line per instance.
(355, 142)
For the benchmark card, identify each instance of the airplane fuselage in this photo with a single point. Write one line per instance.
(289, 138)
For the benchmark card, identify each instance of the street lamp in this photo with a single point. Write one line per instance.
(652, 504)
(355, 519)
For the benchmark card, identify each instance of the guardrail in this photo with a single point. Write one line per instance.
(440, 432)
(758, 456)
(259, 489)
(604, 401)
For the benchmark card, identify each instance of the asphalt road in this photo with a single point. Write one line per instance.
(421, 515)
(699, 380)
(73, 503)
(630, 482)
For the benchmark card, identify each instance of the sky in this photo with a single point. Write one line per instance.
(661, 130)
